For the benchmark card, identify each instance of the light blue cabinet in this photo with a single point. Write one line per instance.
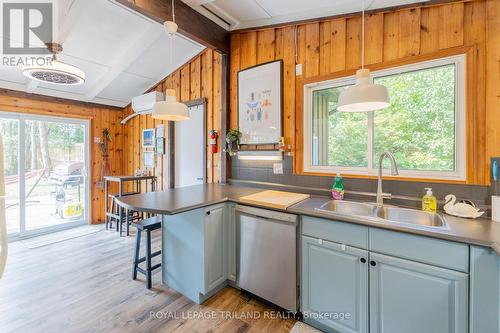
(231, 241)
(485, 290)
(195, 251)
(408, 284)
(334, 286)
(411, 297)
(215, 247)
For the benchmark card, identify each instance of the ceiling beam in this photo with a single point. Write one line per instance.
(51, 99)
(191, 23)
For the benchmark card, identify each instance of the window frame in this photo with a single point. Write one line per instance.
(460, 172)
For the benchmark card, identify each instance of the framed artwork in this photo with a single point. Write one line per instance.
(260, 103)
(148, 159)
(160, 130)
(148, 138)
(160, 146)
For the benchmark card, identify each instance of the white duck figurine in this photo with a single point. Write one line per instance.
(460, 209)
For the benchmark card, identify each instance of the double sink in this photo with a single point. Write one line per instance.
(388, 214)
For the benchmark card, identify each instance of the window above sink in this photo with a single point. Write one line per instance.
(425, 125)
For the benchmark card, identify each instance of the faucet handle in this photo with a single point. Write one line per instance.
(387, 195)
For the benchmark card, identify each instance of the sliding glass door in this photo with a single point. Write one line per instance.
(46, 163)
(9, 130)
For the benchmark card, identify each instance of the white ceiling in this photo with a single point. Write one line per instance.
(122, 53)
(240, 14)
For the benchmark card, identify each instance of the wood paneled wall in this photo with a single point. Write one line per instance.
(334, 47)
(100, 118)
(199, 78)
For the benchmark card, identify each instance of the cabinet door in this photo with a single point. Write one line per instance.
(411, 297)
(215, 247)
(231, 241)
(334, 286)
(484, 290)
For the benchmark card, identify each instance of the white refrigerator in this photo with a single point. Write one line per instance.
(3, 223)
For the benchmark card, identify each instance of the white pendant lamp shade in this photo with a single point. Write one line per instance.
(364, 96)
(170, 109)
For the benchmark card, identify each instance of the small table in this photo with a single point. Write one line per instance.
(121, 180)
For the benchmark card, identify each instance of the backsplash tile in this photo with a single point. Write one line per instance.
(404, 192)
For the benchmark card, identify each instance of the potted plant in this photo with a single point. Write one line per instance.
(233, 140)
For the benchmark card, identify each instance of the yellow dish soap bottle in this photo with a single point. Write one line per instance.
(429, 202)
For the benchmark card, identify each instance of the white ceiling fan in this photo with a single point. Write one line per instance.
(55, 71)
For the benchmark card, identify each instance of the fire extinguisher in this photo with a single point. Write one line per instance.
(213, 141)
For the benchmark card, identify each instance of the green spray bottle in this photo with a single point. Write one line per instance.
(338, 188)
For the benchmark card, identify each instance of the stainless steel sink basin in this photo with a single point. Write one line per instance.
(411, 216)
(348, 208)
(388, 214)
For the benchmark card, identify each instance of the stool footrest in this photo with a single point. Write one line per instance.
(144, 271)
(154, 254)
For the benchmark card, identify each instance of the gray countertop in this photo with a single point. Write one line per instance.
(481, 232)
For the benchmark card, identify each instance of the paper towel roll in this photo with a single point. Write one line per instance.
(495, 208)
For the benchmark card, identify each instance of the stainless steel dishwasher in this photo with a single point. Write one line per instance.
(267, 255)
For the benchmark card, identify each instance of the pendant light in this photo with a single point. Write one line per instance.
(363, 96)
(170, 109)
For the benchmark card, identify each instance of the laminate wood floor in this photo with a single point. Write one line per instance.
(84, 285)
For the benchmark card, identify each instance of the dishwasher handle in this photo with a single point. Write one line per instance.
(267, 214)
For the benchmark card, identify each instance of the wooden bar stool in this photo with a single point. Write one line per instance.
(112, 213)
(146, 225)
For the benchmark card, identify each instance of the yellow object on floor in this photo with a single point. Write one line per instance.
(274, 199)
(72, 210)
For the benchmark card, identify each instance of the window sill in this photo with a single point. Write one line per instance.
(385, 177)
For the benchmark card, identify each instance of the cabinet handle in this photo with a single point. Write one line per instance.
(208, 213)
(363, 260)
(373, 263)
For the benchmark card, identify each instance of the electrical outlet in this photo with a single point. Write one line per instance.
(298, 69)
(278, 168)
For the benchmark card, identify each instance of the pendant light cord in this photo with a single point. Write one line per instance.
(363, 37)
(171, 55)
(173, 11)
(171, 60)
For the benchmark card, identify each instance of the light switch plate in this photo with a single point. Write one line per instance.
(278, 168)
(298, 69)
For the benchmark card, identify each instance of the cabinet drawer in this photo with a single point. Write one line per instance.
(335, 231)
(419, 248)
